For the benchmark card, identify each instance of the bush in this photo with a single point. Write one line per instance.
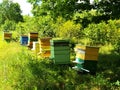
(69, 30)
(103, 33)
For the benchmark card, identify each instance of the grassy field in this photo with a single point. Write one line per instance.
(22, 70)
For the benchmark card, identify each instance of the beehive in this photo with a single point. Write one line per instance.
(60, 51)
(33, 36)
(7, 36)
(45, 46)
(24, 40)
(87, 52)
(86, 58)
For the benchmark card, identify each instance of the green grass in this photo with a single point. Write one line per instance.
(22, 70)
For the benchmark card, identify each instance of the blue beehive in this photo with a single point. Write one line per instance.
(24, 40)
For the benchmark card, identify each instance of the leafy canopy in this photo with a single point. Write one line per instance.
(10, 11)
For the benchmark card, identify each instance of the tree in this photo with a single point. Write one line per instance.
(10, 11)
(8, 25)
(110, 8)
(56, 8)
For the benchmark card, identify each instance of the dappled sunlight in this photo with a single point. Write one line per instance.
(106, 49)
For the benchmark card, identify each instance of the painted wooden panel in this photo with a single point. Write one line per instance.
(7, 35)
(86, 52)
(24, 39)
(87, 56)
(60, 51)
(61, 59)
(45, 54)
(45, 46)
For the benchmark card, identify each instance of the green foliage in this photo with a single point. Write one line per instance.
(97, 33)
(56, 8)
(30, 24)
(43, 25)
(103, 33)
(6, 12)
(85, 41)
(46, 25)
(15, 36)
(8, 26)
(110, 8)
(83, 18)
(106, 49)
(69, 30)
(87, 17)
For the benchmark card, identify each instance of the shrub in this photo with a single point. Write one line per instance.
(103, 33)
(69, 30)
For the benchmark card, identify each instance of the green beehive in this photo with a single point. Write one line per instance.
(88, 55)
(60, 51)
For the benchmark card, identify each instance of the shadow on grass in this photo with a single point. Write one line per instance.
(51, 76)
(109, 65)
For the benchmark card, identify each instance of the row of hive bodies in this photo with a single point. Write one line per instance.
(39, 45)
(48, 47)
(56, 49)
(59, 52)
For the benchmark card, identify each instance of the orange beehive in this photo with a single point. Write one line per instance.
(7, 35)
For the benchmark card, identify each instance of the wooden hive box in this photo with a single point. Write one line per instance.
(86, 52)
(24, 40)
(32, 36)
(7, 35)
(45, 46)
(60, 51)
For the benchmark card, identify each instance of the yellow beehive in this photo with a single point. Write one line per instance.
(45, 46)
(86, 52)
(45, 54)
